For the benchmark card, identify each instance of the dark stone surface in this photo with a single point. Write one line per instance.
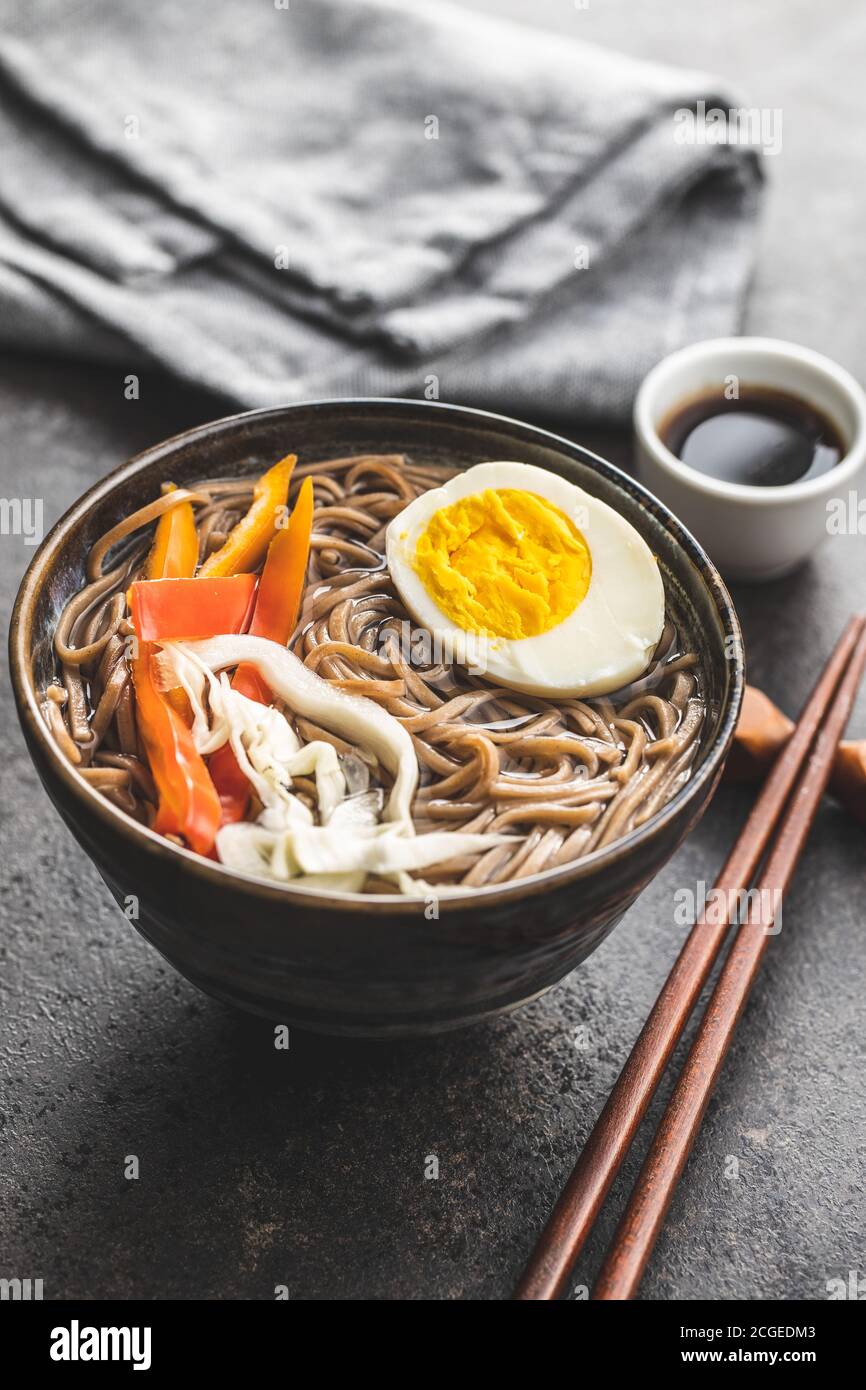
(306, 1167)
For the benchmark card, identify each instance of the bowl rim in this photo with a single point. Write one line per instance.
(332, 903)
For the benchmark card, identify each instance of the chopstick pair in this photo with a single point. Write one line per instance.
(796, 771)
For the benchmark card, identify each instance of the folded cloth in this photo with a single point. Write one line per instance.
(359, 197)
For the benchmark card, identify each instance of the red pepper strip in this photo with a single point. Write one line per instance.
(174, 555)
(231, 785)
(167, 609)
(247, 681)
(188, 802)
(276, 612)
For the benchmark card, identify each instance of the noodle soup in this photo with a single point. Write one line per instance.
(294, 717)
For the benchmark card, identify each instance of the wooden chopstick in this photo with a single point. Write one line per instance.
(571, 1220)
(648, 1205)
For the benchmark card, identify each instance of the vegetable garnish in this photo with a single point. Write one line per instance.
(356, 835)
(174, 554)
(281, 587)
(165, 610)
(232, 784)
(246, 544)
(352, 717)
(278, 603)
(188, 803)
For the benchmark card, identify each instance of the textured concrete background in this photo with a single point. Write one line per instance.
(306, 1168)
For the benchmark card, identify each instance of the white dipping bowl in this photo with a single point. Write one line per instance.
(752, 533)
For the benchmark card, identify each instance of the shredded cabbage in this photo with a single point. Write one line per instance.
(266, 746)
(359, 833)
(356, 719)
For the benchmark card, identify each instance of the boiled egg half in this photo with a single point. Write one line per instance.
(526, 579)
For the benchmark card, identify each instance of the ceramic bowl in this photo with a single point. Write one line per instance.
(374, 966)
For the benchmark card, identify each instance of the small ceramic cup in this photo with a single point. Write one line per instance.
(752, 533)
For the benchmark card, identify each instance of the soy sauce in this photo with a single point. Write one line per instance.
(764, 438)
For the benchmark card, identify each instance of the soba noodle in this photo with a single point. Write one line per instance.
(560, 778)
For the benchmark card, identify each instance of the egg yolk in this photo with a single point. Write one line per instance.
(503, 563)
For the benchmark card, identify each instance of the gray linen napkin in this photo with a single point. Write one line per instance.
(354, 196)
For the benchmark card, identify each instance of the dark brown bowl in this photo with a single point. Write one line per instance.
(371, 966)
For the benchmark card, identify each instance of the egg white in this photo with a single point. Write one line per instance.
(604, 643)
